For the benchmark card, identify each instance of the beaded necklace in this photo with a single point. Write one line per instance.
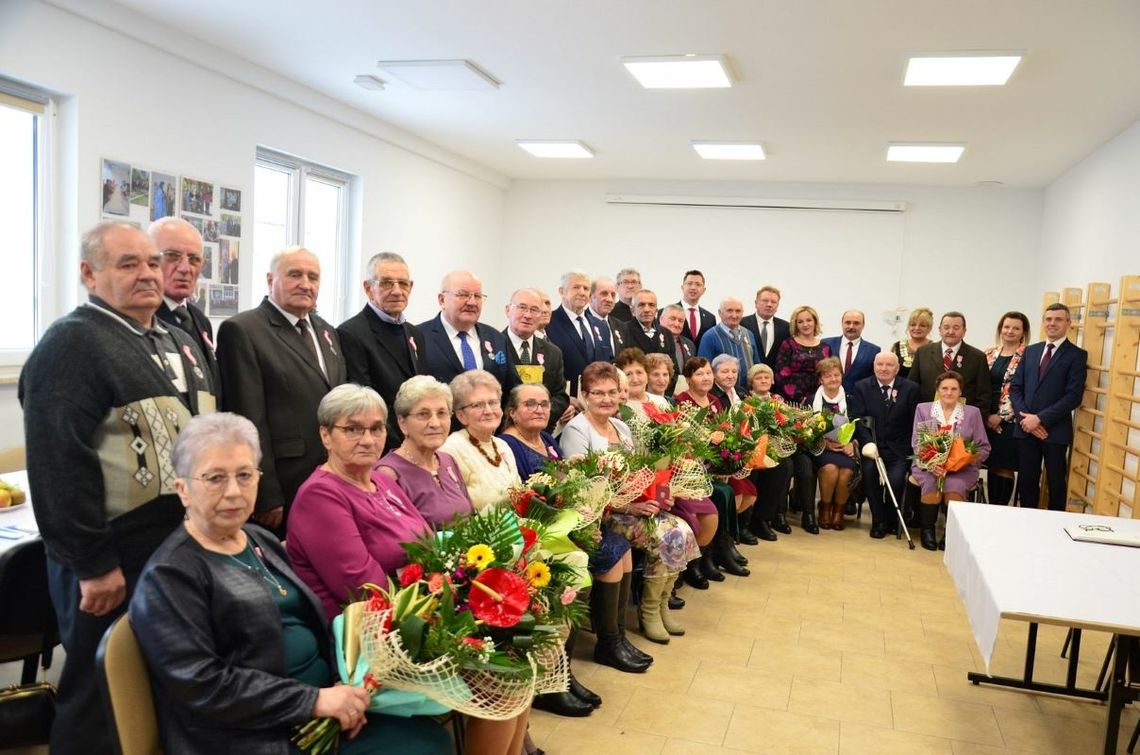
(496, 460)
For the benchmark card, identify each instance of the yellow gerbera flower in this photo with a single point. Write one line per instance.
(480, 555)
(537, 574)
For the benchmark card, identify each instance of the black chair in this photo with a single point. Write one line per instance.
(28, 630)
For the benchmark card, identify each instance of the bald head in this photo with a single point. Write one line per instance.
(886, 366)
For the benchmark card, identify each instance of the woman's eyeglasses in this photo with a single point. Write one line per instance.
(217, 482)
(356, 432)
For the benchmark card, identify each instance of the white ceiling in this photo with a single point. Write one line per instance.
(818, 81)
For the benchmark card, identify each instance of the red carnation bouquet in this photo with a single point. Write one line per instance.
(940, 448)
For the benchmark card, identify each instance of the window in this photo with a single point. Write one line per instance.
(23, 127)
(298, 203)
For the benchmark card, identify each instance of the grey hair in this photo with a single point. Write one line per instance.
(720, 359)
(513, 397)
(205, 430)
(596, 281)
(465, 383)
(275, 262)
(91, 249)
(642, 292)
(376, 259)
(170, 221)
(627, 271)
(673, 307)
(756, 369)
(569, 275)
(545, 297)
(416, 389)
(347, 400)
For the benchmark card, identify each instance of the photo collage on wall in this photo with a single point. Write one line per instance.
(140, 195)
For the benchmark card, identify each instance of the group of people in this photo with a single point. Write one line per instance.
(347, 441)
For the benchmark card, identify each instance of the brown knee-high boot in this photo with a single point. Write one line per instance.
(824, 514)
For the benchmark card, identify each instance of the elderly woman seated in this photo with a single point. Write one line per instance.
(236, 644)
(726, 372)
(486, 462)
(661, 371)
(836, 466)
(772, 484)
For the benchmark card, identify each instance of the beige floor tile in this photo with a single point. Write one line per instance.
(1042, 733)
(842, 637)
(937, 717)
(804, 607)
(776, 732)
(733, 684)
(797, 660)
(760, 626)
(1066, 708)
(844, 702)
(909, 647)
(902, 622)
(953, 685)
(831, 588)
(701, 645)
(889, 674)
(857, 739)
(973, 748)
(685, 747)
(678, 716)
(612, 686)
(575, 735)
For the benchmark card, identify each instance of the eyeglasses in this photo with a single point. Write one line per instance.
(387, 284)
(218, 482)
(531, 404)
(604, 394)
(175, 257)
(426, 415)
(356, 432)
(482, 406)
(527, 309)
(467, 295)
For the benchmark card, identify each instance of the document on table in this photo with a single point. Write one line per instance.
(1099, 533)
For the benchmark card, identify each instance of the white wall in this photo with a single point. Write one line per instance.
(133, 101)
(966, 249)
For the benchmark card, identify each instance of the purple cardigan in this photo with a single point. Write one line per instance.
(341, 536)
(971, 426)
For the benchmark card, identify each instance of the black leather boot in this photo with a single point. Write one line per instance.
(722, 556)
(928, 517)
(808, 523)
(676, 602)
(780, 524)
(624, 588)
(563, 704)
(609, 649)
(577, 689)
(738, 556)
(745, 535)
(708, 565)
(693, 575)
(764, 532)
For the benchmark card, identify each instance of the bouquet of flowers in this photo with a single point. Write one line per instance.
(806, 427)
(939, 448)
(563, 506)
(771, 423)
(732, 442)
(673, 441)
(628, 473)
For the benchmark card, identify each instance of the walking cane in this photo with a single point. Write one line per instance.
(871, 451)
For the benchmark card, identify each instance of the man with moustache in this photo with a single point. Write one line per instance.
(104, 394)
(456, 340)
(770, 331)
(180, 245)
(856, 355)
(698, 320)
(603, 296)
(628, 284)
(952, 353)
(581, 339)
(278, 361)
(672, 319)
(536, 359)
(729, 338)
(381, 348)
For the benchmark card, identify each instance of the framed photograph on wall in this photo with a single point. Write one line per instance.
(116, 188)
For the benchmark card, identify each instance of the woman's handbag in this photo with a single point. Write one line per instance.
(26, 714)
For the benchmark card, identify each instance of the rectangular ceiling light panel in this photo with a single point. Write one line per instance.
(924, 153)
(729, 150)
(680, 71)
(573, 150)
(439, 75)
(963, 70)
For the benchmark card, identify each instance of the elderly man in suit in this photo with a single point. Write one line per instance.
(698, 320)
(456, 340)
(180, 245)
(728, 337)
(856, 355)
(571, 329)
(603, 297)
(886, 403)
(628, 284)
(672, 319)
(643, 332)
(381, 348)
(1046, 387)
(770, 331)
(952, 353)
(536, 359)
(278, 361)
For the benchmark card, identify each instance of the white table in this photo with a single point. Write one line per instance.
(17, 525)
(1020, 564)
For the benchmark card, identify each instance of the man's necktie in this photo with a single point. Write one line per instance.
(680, 357)
(847, 360)
(764, 338)
(587, 340)
(886, 391)
(947, 358)
(524, 352)
(182, 314)
(465, 349)
(693, 322)
(310, 345)
(1045, 361)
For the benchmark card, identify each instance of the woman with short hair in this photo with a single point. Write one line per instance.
(486, 462)
(796, 378)
(836, 465)
(918, 327)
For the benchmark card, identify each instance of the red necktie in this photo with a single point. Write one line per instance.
(1045, 361)
(693, 322)
(847, 361)
(946, 363)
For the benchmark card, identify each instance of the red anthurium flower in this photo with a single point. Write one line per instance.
(521, 501)
(659, 416)
(412, 573)
(474, 642)
(498, 597)
(530, 537)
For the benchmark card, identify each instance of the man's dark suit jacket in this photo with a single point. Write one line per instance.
(660, 343)
(688, 351)
(1055, 395)
(549, 357)
(781, 331)
(862, 366)
(202, 331)
(269, 376)
(894, 420)
(443, 363)
(705, 321)
(609, 330)
(970, 364)
(622, 312)
(371, 361)
(562, 331)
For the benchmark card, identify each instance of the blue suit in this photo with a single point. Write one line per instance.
(563, 332)
(442, 363)
(1052, 396)
(862, 366)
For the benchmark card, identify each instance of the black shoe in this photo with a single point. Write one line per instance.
(780, 524)
(611, 651)
(563, 704)
(694, 575)
(764, 532)
(878, 531)
(676, 603)
(942, 544)
(722, 556)
(708, 567)
(584, 694)
(928, 541)
(737, 556)
(634, 650)
(808, 523)
(794, 504)
(850, 509)
(747, 538)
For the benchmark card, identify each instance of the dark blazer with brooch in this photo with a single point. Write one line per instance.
(661, 342)
(781, 331)
(201, 330)
(212, 637)
(706, 321)
(1054, 395)
(862, 366)
(683, 351)
(893, 419)
(443, 363)
(969, 362)
(562, 331)
(375, 359)
(269, 376)
(549, 357)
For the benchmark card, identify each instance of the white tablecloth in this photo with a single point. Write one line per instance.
(1020, 563)
(18, 524)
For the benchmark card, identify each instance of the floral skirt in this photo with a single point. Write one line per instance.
(668, 542)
